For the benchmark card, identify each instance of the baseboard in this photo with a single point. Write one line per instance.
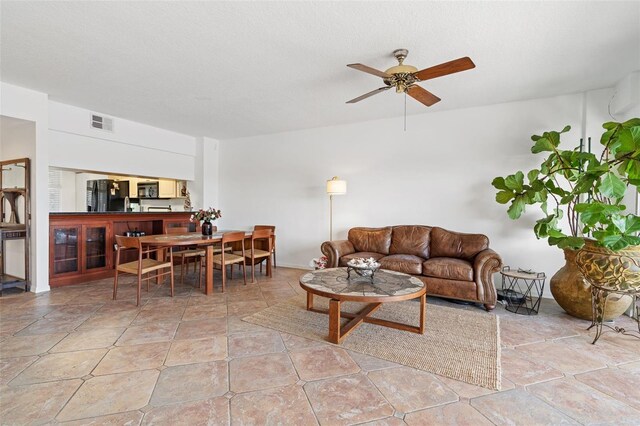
(291, 265)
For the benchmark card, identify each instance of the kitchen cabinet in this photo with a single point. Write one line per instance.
(133, 187)
(133, 184)
(166, 188)
(79, 248)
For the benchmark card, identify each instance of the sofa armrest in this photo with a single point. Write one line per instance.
(485, 264)
(334, 250)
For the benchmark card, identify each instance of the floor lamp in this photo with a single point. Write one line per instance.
(335, 186)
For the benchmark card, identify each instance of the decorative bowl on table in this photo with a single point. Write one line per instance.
(363, 267)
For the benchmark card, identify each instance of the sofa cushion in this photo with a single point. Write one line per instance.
(455, 244)
(376, 240)
(410, 239)
(344, 259)
(405, 263)
(449, 268)
(455, 289)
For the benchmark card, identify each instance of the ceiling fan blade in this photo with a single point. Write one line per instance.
(369, 70)
(366, 95)
(422, 95)
(450, 67)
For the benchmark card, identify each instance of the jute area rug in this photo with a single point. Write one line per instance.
(459, 344)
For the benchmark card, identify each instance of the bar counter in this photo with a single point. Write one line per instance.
(81, 244)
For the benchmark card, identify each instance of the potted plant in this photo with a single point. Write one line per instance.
(585, 192)
(206, 217)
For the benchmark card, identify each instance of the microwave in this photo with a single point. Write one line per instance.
(148, 190)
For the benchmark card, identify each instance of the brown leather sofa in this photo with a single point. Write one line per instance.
(451, 264)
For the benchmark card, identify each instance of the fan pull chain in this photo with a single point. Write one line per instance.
(405, 111)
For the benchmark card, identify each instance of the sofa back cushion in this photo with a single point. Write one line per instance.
(410, 239)
(457, 245)
(376, 240)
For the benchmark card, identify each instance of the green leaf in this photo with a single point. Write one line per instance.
(571, 242)
(632, 169)
(594, 212)
(517, 207)
(541, 145)
(498, 183)
(556, 234)
(611, 186)
(619, 222)
(515, 181)
(533, 175)
(623, 144)
(566, 129)
(633, 122)
(503, 197)
(632, 224)
(610, 125)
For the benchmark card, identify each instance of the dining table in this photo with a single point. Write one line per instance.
(191, 239)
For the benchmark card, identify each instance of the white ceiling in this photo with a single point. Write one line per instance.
(232, 69)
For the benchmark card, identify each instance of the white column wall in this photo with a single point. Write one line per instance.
(25, 104)
(205, 188)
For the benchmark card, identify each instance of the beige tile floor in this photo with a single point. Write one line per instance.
(74, 356)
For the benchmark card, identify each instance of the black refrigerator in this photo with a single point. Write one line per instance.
(106, 195)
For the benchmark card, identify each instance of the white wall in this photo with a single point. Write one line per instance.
(438, 173)
(132, 149)
(205, 190)
(25, 104)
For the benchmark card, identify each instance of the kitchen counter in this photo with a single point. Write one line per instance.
(81, 244)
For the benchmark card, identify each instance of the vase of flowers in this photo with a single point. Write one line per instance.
(318, 262)
(206, 217)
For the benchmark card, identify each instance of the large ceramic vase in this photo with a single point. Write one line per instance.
(574, 295)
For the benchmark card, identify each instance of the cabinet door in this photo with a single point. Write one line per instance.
(133, 187)
(96, 253)
(65, 249)
(167, 188)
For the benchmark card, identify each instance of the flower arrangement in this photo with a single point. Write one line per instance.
(319, 262)
(207, 215)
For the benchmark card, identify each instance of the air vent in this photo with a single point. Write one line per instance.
(102, 122)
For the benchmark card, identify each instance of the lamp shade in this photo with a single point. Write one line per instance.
(335, 186)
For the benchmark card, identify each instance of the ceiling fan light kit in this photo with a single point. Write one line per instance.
(404, 77)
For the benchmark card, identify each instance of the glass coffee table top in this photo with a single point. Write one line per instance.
(385, 283)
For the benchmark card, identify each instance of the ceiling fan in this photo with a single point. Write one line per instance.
(404, 77)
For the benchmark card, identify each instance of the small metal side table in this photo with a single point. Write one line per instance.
(522, 290)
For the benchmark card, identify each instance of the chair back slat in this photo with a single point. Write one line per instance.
(230, 237)
(127, 242)
(177, 230)
(258, 227)
(261, 234)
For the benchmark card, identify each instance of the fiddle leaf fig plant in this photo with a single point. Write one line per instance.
(584, 189)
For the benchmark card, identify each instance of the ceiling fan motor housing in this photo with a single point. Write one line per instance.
(402, 76)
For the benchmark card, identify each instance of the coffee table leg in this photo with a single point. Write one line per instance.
(309, 301)
(334, 321)
(423, 311)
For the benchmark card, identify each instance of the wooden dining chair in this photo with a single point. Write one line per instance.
(273, 241)
(145, 265)
(257, 255)
(224, 258)
(186, 253)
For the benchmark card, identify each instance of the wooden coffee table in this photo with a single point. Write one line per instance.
(388, 286)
